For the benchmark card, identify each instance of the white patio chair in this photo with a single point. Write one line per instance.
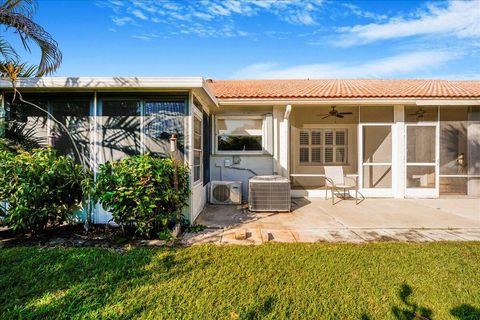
(335, 180)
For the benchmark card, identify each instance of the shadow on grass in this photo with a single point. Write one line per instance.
(466, 312)
(260, 309)
(409, 309)
(63, 283)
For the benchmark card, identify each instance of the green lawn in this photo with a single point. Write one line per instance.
(273, 281)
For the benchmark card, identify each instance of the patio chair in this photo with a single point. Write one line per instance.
(335, 180)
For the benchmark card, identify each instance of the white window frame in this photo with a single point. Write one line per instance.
(322, 147)
(198, 116)
(266, 134)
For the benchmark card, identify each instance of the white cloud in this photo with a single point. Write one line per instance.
(139, 14)
(120, 21)
(355, 10)
(459, 18)
(211, 14)
(382, 68)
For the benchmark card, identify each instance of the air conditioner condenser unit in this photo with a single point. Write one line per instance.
(269, 193)
(226, 192)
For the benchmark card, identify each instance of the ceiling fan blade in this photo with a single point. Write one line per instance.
(326, 116)
(345, 113)
(340, 116)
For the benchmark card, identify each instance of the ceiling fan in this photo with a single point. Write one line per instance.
(334, 113)
(420, 113)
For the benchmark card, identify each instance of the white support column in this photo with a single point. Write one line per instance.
(399, 152)
(281, 140)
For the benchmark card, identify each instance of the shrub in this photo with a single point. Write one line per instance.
(41, 188)
(141, 194)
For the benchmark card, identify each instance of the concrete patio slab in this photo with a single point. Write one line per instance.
(470, 235)
(440, 235)
(317, 220)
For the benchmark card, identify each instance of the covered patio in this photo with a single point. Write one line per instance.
(316, 220)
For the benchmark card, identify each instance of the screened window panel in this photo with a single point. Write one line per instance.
(163, 118)
(304, 138)
(120, 123)
(420, 176)
(378, 176)
(304, 154)
(75, 116)
(377, 144)
(421, 113)
(27, 125)
(421, 144)
(376, 114)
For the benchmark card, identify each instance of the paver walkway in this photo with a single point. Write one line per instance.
(316, 220)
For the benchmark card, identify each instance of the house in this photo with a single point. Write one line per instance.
(403, 138)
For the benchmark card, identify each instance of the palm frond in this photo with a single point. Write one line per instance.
(6, 50)
(15, 70)
(51, 57)
(25, 7)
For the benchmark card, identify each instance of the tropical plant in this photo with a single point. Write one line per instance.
(17, 15)
(145, 194)
(41, 188)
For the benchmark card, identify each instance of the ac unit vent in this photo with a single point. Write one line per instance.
(226, 192)
(269, 193)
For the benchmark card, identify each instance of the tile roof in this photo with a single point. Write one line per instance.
(358, 88)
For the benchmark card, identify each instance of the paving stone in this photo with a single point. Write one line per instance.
(284, 235)
(252, 237)
(241, 234)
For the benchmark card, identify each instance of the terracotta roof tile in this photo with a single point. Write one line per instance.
(358, 88)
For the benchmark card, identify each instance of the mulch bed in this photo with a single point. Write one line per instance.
(104, 236)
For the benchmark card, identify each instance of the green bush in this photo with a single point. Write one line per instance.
(141, 194)
(41, 188)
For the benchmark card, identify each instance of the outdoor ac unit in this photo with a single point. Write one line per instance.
(226, 192)
(269, 193)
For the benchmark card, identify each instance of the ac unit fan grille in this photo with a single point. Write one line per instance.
(221, 193)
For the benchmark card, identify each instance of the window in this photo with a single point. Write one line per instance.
(197, 149)
(240, 134)
(322, 146)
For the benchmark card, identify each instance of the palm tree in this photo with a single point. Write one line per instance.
(17, 15)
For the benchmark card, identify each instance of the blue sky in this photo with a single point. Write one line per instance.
(266, 39)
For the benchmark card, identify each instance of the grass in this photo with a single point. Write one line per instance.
(273, 281)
